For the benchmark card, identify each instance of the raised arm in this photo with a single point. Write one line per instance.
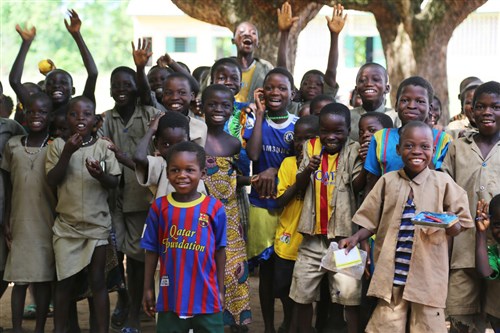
(27, 35)
(254, 144)
(482, 223)
(141, 152)
(285, 23)
(74, 29)
(141, 56)
(335, 25)
(167, 61)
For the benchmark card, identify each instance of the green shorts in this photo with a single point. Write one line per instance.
(169, 322)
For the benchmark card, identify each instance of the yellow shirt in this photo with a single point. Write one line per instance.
(246, 79)
(287, 240)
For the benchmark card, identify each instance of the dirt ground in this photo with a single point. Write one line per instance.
(257, 325)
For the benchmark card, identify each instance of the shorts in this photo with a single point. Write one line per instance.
(283, 272)
(261, 232)
(134, 225)
(169, 322)
(307, 276)
(393, 317)
(464, 292)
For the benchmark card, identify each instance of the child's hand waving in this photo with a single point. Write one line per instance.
(482, 217)
(27, 34)
(75, 23)
(141, 54)
(285, 19)
(153, 124)
(164, 61)
(337, 21)
(258, 95)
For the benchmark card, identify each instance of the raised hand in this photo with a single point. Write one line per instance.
(75, 23)
(164, 61)
(73, 143)
(141, 54)
(27, 34)
(285, 19)
(153, 124)
(482, 217)
(337, 21)
(258, 95)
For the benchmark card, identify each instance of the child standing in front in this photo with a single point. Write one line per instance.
(186, 231)
(30, 230)
(290, 197)
(407, 256)
(327, 172)
(474, 163)
(269, 141)
(222, 151)
(83, 169)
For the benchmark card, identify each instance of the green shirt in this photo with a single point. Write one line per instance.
(494, 261)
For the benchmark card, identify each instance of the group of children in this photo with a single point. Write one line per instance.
(167, 188)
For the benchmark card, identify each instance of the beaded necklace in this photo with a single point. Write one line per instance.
(29, 152)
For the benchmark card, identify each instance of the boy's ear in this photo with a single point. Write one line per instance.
(233, 41)
(72, 91)
(203, 172)
(293, 94)
(397, 149)
(387, 88)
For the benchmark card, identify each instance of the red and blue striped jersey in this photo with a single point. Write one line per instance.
(186, 235)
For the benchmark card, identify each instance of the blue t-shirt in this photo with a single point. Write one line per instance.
(277, 144)
(382, 156)
(186, 235)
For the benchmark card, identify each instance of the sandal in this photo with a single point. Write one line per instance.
(119, 317)
(130, 330)
(29, 311)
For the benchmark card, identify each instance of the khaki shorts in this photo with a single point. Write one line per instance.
(307, 276)
(464, 292)
(392, 317)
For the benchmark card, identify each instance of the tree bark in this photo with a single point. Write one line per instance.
(415, 40)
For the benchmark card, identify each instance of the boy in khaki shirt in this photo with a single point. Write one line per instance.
(411, 261)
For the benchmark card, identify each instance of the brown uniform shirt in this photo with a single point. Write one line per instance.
(381, 213)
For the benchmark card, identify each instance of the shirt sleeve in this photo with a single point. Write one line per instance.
(369, 214)
(220, 222)
(371, 163)
(152, 177)
(149, 239)
(494, 261)
(286, 178)
(54, 150)
(6, 157)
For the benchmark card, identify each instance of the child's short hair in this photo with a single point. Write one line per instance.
(494, 205)
(320, 98)
(199, 73)
(281, 71)
(77, 99)
(156, 67)
(32, 87)
(222, 62)
(173, 120)
(373, 64)
(58, 70)
(9, 104)
(310, 120)
(465, 82)
(187, 146)
(313, 72)
(124, 69)
(411, 125)
(193, 85)
(382, 118)
(490, 87)
(216, 87)
(419, 82)
(337, 109)
(38, 96)
(438, 100)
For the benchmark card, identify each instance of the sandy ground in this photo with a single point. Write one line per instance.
(147, 326)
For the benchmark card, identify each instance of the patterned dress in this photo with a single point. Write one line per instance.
(221, 183)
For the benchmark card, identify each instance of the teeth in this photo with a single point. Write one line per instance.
(370, 91)
(175, 106)
(57, 94)
(122, 97)
(417, 160)
(487, 121)
(159, 91)
(36, 123)
(218, 118)
(80, 125)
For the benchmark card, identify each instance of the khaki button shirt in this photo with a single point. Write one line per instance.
(381, 213)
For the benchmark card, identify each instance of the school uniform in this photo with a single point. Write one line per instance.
(427, 281)
(357, 112)
(329, 204)
(480, 177)
(133, 200)
(83, 219)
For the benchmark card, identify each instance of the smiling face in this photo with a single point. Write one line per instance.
(371, 85)
(184, 173)
(416, 149)
(333, 132)
(123, 89)
(37, 115)
(218, 107)
(367, 127)
(467, 105)
(229, 76)
(486, 114)
(177, 94)
(434, 113)
(59, 87)
(81, 118)
(413, 104)
(156, 79)
(169, 137)
(277, 92)
(246, 38)
(311, 86)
